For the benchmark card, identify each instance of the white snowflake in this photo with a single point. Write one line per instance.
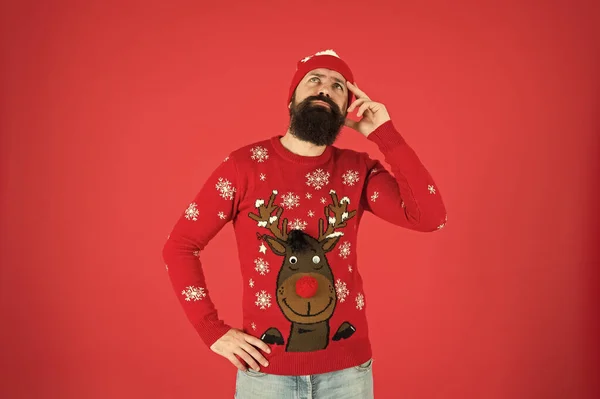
(374, 196)
(360, 301)
(253, 325)
(221, 215)
(350, 177)
(251, 283)
(262, 266)
(290, 200)
(441, 226)
(431, 189)
(374, 170)
(196, 253)
(317, 179)
(226, 158)
(191, 213)
(311, 214)
(323, 200)
(298, 224)
(350, 268)
(193, 293)
(345, 250)
(259, 154)
(263, 177)
(308, 195)
(263, 300)
(225, 188)
(341, 290)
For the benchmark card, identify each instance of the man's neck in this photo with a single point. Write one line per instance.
(299, 147)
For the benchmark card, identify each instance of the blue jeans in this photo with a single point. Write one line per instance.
(351, 383)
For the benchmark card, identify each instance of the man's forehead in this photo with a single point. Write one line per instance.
(326, 72)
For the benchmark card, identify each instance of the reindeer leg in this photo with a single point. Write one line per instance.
(344, 332)
(272, 336)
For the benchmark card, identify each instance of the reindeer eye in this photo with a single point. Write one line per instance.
(316, 259)
(293, 260)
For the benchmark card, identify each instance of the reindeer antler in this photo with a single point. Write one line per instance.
(341, 216)
(265, 219)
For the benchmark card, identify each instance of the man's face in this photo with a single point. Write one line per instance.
(318, 107)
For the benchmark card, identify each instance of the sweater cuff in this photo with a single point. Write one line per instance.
(210, 333)
(386, 137)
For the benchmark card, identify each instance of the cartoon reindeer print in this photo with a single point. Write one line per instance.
(306, 291)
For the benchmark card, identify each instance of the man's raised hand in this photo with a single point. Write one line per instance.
(373, 114)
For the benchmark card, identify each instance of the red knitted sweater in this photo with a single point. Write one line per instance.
(296, 220)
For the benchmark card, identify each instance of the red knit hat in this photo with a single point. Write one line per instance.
(323, 59)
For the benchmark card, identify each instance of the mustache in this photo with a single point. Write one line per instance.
(325, 99)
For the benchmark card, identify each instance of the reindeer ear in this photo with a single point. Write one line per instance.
(276, 245)
(329, 243)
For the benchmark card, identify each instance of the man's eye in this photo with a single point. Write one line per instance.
(339, 86)
(314, 79)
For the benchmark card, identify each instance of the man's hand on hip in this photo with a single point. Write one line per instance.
(236, 342)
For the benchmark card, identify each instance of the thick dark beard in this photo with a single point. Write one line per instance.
(314, 123)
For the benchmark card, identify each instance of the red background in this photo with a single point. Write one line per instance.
(113, 115)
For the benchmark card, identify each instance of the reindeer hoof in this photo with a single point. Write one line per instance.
(272, 336)
(345, 331)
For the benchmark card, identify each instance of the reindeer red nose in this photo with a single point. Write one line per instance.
(307, 286)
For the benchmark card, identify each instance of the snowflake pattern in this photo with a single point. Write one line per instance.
(263, 177)
(323, 200)
(290, 200)
(298, 224)
(360, 301)
(350, 177)
(192, 212)
(226, 159)
(262, 266)
(311, 214)
(251, 283)
(263, 300)
(345, 250)
(196, 253)
(221, 215)
(193, 293)
(308, 195)
(375, 196)
(253, 325)
(225, 188)
(317, 179)
(259, 154)
(341, 290)
(431, 189)
(441, 226)
(350, 268)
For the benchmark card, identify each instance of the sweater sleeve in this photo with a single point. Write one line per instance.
(408, 197)
(213, 206)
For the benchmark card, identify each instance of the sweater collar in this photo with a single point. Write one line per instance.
(300, 159)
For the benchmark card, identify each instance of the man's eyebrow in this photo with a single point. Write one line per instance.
(320, 75)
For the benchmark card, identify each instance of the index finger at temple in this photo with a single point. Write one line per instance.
(353, 87)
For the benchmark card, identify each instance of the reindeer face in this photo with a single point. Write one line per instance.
(305, 286)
